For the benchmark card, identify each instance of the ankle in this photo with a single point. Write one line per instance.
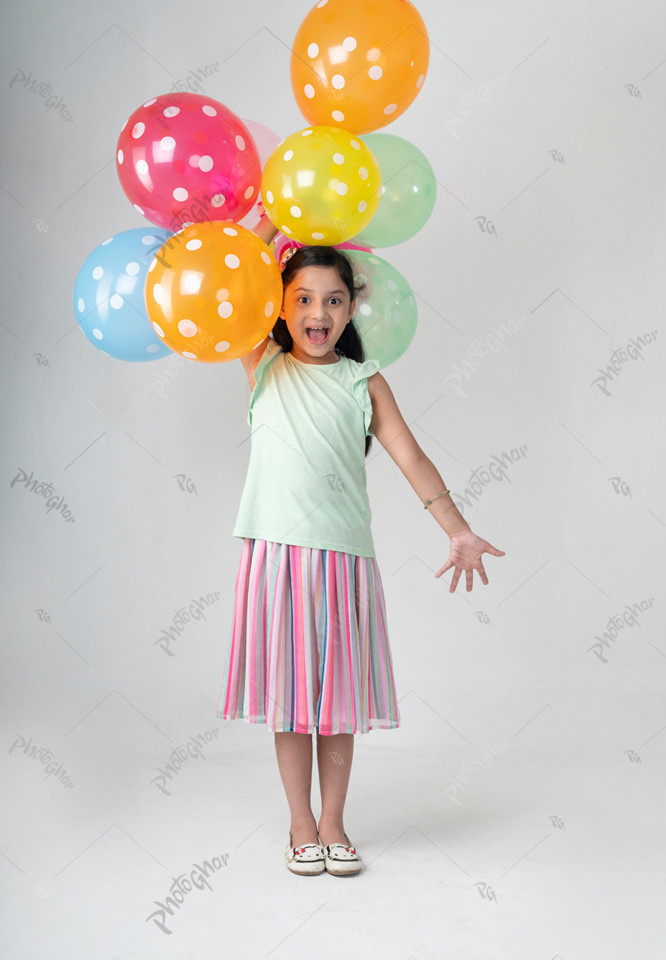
(331, 831)
(330, 822)
(303, 830)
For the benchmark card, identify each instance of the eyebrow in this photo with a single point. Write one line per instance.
(306, 290)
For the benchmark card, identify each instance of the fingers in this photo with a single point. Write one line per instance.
(495, 552)
(469, 576)
(469, 570)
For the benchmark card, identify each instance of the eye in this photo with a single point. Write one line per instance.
(304, 297)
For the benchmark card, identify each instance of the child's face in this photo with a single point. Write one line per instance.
(316, 297)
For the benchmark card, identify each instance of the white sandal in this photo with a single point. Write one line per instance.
(342, 860)
(306, 860)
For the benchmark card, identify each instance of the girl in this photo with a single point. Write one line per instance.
(308, 642)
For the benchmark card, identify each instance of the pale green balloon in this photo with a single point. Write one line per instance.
(385, 314)
(409, 190)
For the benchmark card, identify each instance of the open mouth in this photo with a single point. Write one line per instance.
(317, 334)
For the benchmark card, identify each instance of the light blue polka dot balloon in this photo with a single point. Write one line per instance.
(109, 295)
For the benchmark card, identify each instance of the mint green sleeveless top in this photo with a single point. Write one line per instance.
(306, 479)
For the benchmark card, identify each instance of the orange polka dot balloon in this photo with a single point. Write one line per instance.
(321, 185)
(359, 64)
(213, 291)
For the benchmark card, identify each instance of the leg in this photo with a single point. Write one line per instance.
(334, 758)
(294, 756)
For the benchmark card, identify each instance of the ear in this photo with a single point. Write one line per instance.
(352, 308)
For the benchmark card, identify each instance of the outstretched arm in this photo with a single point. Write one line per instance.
(389, 427)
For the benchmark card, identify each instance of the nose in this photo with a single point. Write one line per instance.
(318, 308)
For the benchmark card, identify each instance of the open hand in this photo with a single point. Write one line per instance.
(465, 554)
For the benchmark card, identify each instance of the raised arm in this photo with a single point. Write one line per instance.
(265, 231)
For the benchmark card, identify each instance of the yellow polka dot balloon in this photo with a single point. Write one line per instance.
(359, 64)
(321, 185)
(213, 291)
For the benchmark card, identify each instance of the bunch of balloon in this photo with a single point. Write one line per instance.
(353, 72)
(190, 166)
(266, 141)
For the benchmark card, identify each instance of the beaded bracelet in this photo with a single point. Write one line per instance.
(428, 502)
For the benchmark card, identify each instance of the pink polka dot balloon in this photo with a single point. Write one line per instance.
(184, 158)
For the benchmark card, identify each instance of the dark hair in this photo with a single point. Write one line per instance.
(349, 343)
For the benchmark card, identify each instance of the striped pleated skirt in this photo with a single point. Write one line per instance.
(308, 644)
